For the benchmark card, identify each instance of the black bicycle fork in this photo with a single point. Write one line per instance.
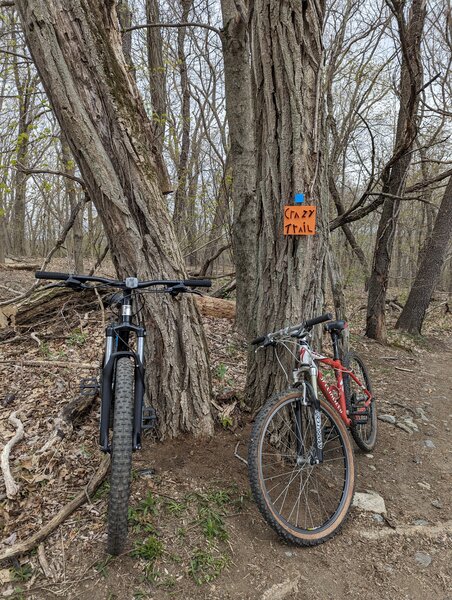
(108, 371)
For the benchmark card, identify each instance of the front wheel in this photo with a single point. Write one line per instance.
(306, 503)
(363, 419)
(121, 456)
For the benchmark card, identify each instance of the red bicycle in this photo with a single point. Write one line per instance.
(300, 458)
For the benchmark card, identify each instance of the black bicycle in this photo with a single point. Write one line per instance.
(122, 385)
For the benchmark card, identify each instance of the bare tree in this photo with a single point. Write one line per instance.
(240, 115)
(434, 255)
(394, 178)
(287, 64)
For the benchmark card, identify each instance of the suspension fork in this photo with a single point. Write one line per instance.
(311, 389)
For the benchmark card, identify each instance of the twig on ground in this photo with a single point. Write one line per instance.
(238, 455)
(403, 369)
(46, 568)
(11, 486)
(65, 512)
(35, 338)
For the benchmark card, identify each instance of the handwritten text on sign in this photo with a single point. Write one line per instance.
(299, 220)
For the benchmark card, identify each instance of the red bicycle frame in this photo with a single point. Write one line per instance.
(335, 394)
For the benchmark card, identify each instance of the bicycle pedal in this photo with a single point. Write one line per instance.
(149, 418)
(89, 386)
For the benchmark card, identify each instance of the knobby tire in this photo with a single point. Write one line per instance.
(121, 456)
(293, 526)
(365, 435)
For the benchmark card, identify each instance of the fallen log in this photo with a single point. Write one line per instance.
(20, 266)
(48, 302)
(216, 307)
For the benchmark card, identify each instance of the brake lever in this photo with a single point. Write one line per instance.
(175, 290)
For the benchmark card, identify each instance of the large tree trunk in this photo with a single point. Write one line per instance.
(241, 158)
(287, 63)
(76, 47)
(412, 316)
(410, 85)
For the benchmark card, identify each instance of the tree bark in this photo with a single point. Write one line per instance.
(71, 194)
(394, 183)
(287, 63)
(241, 158)
(434, 255)
(21, 177)
(76, 46)
(180, 200)
(157, 73)
(125, 20)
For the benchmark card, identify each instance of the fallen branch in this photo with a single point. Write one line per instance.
(65, 512)
(46, 568)
(11, 486)
(21, 266)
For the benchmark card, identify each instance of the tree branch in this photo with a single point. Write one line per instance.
(46, 172)
(27, 58)
(149, 25)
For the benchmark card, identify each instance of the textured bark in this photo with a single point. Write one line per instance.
(241, 158)
(71, 194)
(394, 184)
(412, 316)
(76, 46)
(337, 290)
(20, 177)
(287, 60)
(157, 73)
(125, 20)
(180, 200)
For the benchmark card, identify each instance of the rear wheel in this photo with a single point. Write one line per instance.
(305, 503)
(121, 456)
(363, 419)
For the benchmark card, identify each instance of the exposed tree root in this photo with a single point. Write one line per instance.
(430, 531)
(65, 512)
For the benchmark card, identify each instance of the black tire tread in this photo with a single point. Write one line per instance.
(121, 456)
(254, 478)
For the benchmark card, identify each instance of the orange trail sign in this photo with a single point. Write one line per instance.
(299, 220)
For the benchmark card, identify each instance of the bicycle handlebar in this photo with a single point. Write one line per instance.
(271, 337)
(120, 284)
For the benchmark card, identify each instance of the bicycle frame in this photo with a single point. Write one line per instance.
(117, 346)
(334, 394)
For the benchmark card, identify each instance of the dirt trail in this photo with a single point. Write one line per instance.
(409, 475)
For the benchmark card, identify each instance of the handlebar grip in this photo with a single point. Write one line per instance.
(52, 275)
(198, 283)
(317, 320)
(258, 340)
